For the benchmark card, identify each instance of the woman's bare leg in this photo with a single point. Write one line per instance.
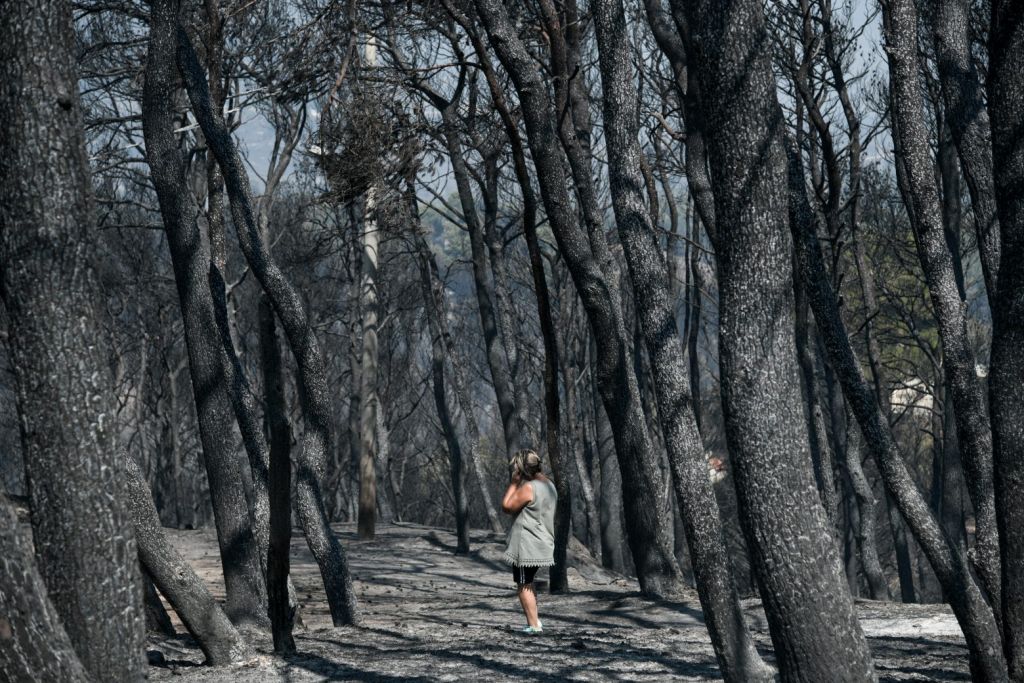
(528, 599)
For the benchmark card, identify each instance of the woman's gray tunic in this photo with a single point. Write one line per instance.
(531, 540)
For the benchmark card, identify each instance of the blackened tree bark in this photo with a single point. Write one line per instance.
(909, 127)
(737, 657)
(290, 310)
(64, 390)
(969, 605)
(649, 534)
(279, 483)
(788, 535)
(33, 643)
(1006, 378)
(865, 528)
(219, 640)
(964, 100)
(211, 371)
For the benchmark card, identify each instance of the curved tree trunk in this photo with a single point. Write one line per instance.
(312, 375)
(1006, 379)
(64, 390)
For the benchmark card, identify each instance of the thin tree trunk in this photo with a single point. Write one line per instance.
(369, 239)
(973, 429)
(649, 534)
(157, 618)
(865, 530)
(290, 311)
(57, 344)
(1006, 378)
(280, 483)
(737, 657)
(218, 638)
(240, 554)
(437, 325)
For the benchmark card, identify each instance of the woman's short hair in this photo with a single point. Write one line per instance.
(526, 462)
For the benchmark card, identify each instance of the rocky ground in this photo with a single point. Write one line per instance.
(429, 615)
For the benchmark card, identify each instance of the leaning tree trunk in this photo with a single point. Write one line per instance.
(1006, 377)
(973, 430)
(809, 608)
(218, 638)
(969, 605)
(85, 548)
(35, 646)
(648, 531)
(737, 656)
(240, 554)
(290, 310)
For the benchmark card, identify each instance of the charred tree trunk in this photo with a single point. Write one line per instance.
(973, 430)
(219, 640)
(1006, 378)
(64, 390)
(290, 311)
(650, 535)
(865, 529)
(760, 377)
(737, 657)
(369, 240)
(34, 646)
(240, 555)
(964, 99)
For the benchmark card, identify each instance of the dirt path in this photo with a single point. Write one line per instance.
(429, 615)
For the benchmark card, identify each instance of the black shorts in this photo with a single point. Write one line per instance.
(523, 575)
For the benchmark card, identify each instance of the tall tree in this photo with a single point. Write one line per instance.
(737, 657)
(793, 552)
(84, 543)
(1006, 378)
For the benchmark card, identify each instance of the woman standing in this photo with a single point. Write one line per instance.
(531, 499)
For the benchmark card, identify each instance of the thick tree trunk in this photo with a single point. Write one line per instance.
(219, 640)
(290, 310)
(737, 657)
(613, 537)
(964, 99)
(34, 645)
(240, 554)
(911, 132)
(65, 396)
(809, 608)
(649, 534)
(1006, 377)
